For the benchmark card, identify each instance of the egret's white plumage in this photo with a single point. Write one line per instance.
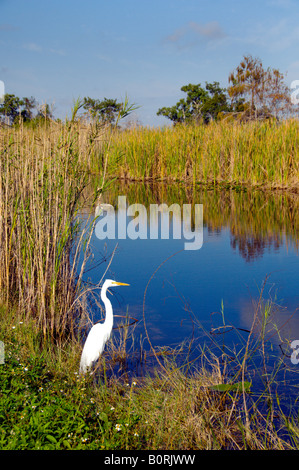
(100, 332)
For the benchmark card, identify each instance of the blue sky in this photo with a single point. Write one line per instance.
(58, 51)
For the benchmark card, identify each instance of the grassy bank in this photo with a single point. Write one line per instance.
(45, 404)
(256, 154)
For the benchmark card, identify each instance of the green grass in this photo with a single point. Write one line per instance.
(39, 411)
(45, 404)
(262, 154)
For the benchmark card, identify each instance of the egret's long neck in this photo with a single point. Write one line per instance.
(108, 306)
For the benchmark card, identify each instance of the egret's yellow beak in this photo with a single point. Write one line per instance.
(121, 283)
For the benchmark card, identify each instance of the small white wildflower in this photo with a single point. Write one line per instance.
(112, 408)
(118, 427)
(136, 434)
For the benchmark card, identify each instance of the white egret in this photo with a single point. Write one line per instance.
(100, 332)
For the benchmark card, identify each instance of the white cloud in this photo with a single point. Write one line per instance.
(273, 37)
(281, 3)
(8, 27)
(210, 30)
(104, 58)
(58, 52)
(32, 46)
(194, 33)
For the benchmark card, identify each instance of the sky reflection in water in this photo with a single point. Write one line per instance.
(246, 237)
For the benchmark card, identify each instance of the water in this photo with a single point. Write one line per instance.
(248, 238)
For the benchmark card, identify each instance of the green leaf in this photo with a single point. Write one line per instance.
(103, 417)
(67, 444)
(51, 438)
(236, 387)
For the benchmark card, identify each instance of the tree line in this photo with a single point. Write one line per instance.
(253, 93)
(14, 109)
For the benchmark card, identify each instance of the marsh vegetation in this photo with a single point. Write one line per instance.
(50, 172)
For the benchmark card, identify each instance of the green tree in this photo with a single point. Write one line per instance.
(13, 108)
(178, 113)
(28, 104)
(10, 108)
(105, 111)
(216, 103)
(200, 105)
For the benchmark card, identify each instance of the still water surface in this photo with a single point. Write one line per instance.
(247, 237)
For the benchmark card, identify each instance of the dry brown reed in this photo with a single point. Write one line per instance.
(43, 171)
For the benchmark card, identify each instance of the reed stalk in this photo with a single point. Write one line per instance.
(42, 176)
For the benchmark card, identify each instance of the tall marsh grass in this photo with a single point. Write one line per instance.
(43, 172)
(255, 153)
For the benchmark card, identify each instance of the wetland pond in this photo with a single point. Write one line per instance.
(249, 252)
